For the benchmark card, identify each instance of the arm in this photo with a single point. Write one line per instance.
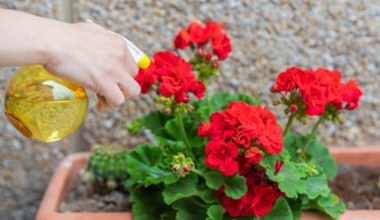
(84, 53)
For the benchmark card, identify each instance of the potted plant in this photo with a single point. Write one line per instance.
(224, 156)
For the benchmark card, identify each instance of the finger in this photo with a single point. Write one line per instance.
(131, 64)
(130, 87)
(113, 96)
(132, 67)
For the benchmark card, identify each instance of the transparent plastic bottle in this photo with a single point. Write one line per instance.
(44, 107)
(47, 108)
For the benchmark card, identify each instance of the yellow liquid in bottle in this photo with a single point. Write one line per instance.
(42, 106)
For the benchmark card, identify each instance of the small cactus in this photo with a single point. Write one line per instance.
(108, 165)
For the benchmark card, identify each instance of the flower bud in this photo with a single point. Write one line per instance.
(185, 169)
(186, 99)
(293, 108)
(182, 165)
(208, 56)
(274, 88)
(167, 111)
(276, 102)
(201, 51)
(176, 168)
(216, 64)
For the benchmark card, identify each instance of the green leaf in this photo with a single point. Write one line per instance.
(317, 153)
(147, 203)
(290, 144)
(317, 186)
(185, 187)
(214, 179)
(320, 155)
(143, 166)
(172, 128)
(207, 194)
(215, 212)
(169, 134)
(296, 207)
(235, 186)
(280, 211)
(188, 187)
(155, 121)
(331, 205)
(190, 209)
(289, 179)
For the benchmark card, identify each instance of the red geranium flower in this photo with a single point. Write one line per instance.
(233, 207)
(204, 130)
(241, 112)
(285, 82)
(254, 155)
(243, 139)
(350, 93)
(221, 155)
(146, 78)
(198, 88)
(318, 88)
(221, 46)
(221, 127)
(264, 199)
(197, 33)
(167, 59)
(214, 29)
(175, 80)
(315, 99)
(271, 139)
(182, 40)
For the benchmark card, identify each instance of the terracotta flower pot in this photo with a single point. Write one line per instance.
(61, 182)
(58, 189)
(369, 156)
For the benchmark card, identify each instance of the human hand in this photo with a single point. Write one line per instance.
(84, 53)
(95, 58)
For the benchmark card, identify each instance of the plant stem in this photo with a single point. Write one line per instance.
(313, 132)
(207, 94)
(183, 133)
(288, 124)
(199, 173)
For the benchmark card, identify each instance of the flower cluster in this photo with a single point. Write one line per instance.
(244, 128)
(210, 45)
(318, 89)
(197, 34)
(182, 165)
(174, 76)
(239, 137)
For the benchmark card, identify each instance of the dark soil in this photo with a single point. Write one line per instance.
(358, 187)
(92, 197)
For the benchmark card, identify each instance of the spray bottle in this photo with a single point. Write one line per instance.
(46, 108)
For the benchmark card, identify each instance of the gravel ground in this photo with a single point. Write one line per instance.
(267, 37)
